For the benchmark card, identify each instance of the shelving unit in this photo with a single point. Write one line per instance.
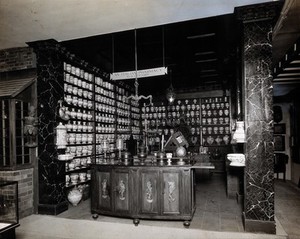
(105, 120)
(215, 121)
(80, 108)
(123, 113)
(97, 110)
(164, 118)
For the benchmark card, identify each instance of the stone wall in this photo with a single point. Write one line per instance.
(25, 186)
(13, 59)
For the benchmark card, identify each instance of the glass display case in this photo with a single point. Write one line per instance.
(9, 215)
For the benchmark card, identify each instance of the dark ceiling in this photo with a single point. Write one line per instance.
(199, 54)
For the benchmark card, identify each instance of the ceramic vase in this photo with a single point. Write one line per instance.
(74, 196)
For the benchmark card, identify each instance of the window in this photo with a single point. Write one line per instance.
(13, 151)
(5, 143)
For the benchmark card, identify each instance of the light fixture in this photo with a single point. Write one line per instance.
(170, 94)
(136, 96)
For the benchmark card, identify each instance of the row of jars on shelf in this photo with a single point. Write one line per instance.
(123, 121)
(215, 113)
(124, 113)
(101, 137)
(78, 72)
(135, 130)
(187, 114)
(100, 149)
(195, 131)
(135, 103)
(183, 107)
(102, 91)
(135, 116)
(122, 98)
(154, 116)
(99, 81)
(78, 82)
(79, 126)
(120, 90)
(216, 140)
(80, 150)
(136, 123)
(217, 106)
(105, 108)
(78, 138)
(135, 109)
(105, 100)
(80, 102)
(147, 109)
(121, 128)
(103, 128)
(177, 108)
(150, 116)
(122, 105)
(105, 118)
(215, 120)
(122, 135)
(78, 91)
(216, 130)
(79, 114)
(75, 178)
(78, 163)
(215, 99)
(171, 121)
(186, 101)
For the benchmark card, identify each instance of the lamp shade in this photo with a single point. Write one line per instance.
(170, 94)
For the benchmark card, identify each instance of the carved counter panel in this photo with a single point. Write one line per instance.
(149, 191)
(143, 192)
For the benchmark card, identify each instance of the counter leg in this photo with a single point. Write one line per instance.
(186, 224)
(136, 221)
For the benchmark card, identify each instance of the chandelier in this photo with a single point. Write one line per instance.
(136, 97)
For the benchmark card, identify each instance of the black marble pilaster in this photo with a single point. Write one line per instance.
(50, 89)
(259, 203)
(52, 199)
(258, 103)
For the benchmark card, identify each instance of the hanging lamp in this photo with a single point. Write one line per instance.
(136, 96)
(171, 95)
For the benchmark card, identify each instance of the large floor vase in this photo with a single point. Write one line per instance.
(74, 196)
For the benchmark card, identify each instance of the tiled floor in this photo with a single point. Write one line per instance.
(287, 207)
(216, 217)
(214, 211)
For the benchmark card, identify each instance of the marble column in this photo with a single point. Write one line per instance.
(50, 89)
(257, 88)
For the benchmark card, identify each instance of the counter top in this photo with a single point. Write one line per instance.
(157, 163)
(147, 163)
(202, 165)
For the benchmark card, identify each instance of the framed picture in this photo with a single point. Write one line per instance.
(279, 142)
(279, 129)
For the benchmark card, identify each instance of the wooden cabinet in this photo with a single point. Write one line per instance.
(112, 189)
(144, 192)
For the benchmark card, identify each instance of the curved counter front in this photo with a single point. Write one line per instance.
(144, 190)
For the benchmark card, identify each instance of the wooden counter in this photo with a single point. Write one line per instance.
(144, 191)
